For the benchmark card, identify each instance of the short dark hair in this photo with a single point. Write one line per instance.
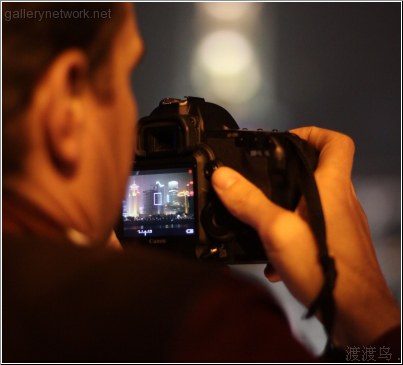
(33, 35)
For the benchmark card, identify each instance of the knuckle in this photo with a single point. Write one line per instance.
(347, 142)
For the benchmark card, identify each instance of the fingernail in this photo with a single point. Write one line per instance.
(223, 178)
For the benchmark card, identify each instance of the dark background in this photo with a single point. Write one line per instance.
(337, 66)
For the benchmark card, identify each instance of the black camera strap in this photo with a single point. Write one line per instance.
(324, 301)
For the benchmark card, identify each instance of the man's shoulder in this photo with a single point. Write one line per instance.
(126, 303)
(139, 305)
(43, 258)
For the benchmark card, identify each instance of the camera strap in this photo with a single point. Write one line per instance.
(324, 301)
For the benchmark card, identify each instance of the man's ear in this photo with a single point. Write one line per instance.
(62, 116)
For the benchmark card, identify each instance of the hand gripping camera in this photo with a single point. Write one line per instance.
(170, 202)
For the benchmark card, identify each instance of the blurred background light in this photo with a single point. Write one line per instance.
(226, 58)
(224, 52)
(229, 11)
(225, 66)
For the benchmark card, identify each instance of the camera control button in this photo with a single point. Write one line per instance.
(211, 167)
(169, 101)
(217, 222)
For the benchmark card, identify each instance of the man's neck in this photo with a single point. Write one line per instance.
(21, 216)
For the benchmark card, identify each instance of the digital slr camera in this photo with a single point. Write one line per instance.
(170, 202)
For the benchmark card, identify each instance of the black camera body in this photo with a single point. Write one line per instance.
(170, 202)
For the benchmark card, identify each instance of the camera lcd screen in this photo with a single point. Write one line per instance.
(159, 203)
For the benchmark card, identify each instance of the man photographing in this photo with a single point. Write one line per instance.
(68, 142)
